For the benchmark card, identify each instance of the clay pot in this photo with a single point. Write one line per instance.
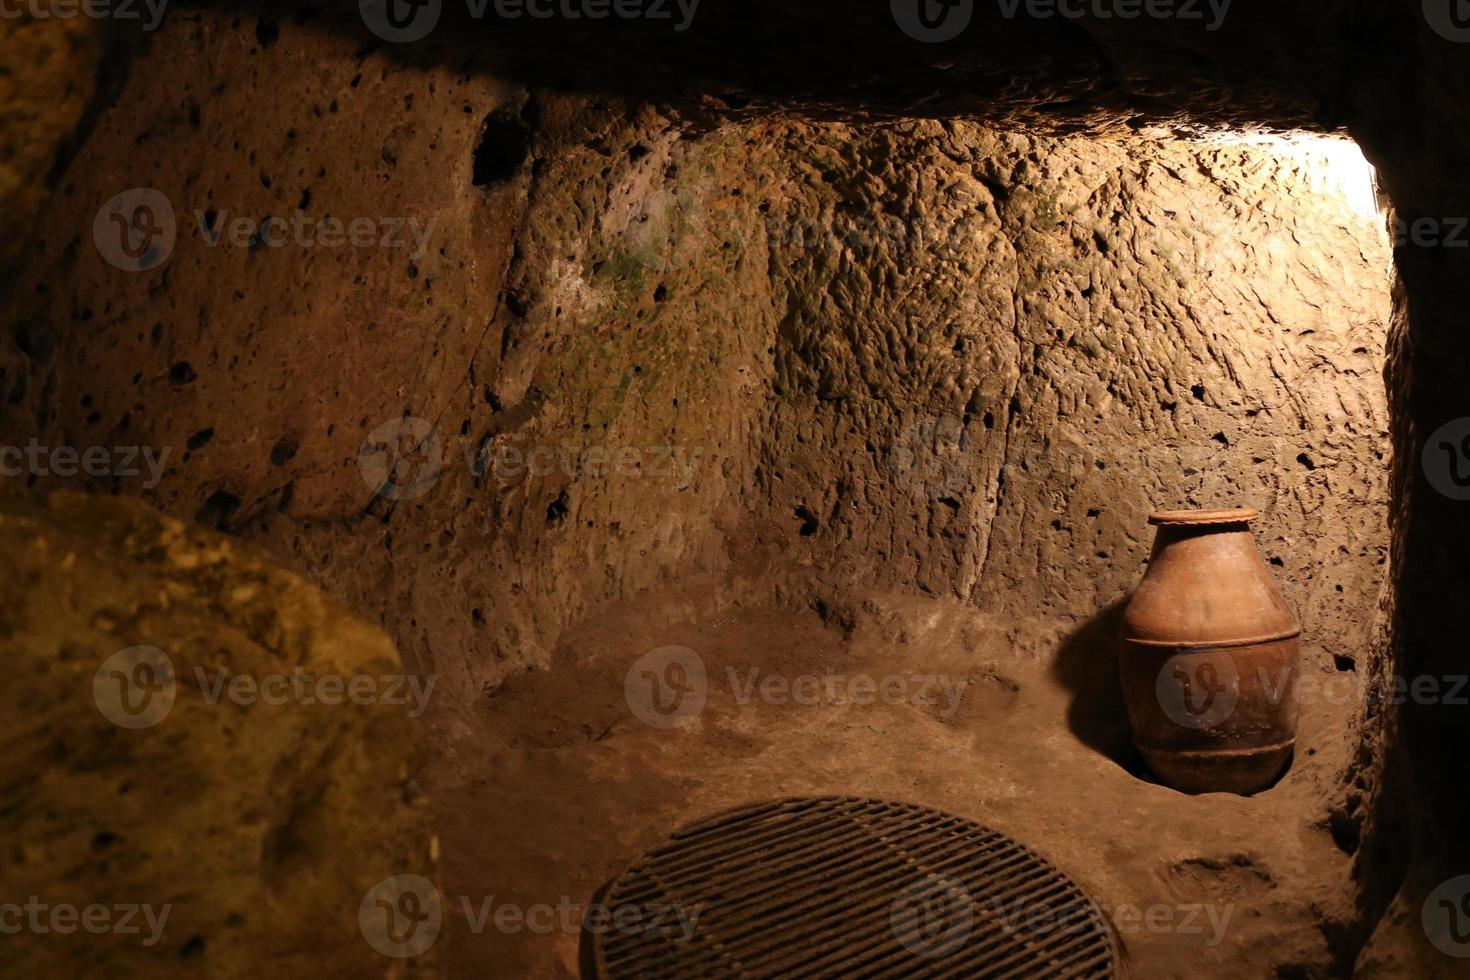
(1209, 657)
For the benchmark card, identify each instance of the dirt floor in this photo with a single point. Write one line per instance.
(554, 783)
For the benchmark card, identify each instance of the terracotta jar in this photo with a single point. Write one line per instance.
(1209, 657)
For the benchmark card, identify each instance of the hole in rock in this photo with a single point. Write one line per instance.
(503, 145)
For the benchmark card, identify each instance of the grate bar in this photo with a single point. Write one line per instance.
(806, 888)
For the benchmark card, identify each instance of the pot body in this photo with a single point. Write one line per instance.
(1209, 657)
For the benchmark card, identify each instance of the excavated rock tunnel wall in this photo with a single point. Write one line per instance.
(478, 584)
(819, 357)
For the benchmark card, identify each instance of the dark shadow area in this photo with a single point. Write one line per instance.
(1087, 666)
(833, 58)
(586, 951)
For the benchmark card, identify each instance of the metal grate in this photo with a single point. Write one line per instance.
(844, 887)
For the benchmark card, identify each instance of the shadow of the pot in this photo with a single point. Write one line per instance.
(1087, 666)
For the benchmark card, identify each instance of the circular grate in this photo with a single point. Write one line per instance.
(843, 887)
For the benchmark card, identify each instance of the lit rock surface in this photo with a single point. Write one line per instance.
(260, 826)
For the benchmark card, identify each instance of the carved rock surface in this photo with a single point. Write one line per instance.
(914, 354)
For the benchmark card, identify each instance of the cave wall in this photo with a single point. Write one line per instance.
(1059, 336)
(1378, 69)
(815, 358)
(48, 70)
(245, 824)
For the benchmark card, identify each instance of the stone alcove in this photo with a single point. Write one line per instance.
(942, 321)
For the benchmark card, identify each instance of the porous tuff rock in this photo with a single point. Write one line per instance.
(47, 81)
(260, 826)
(1372, 75)
(876, 348)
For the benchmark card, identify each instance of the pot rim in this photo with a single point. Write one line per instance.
(1237, 515)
